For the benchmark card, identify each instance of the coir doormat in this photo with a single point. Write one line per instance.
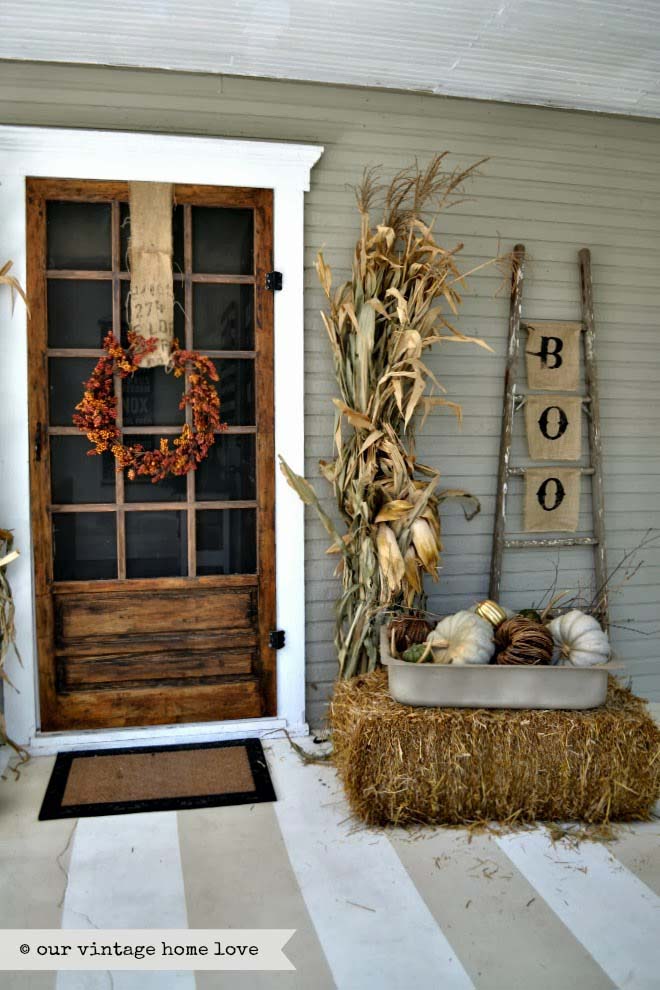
(88, 783)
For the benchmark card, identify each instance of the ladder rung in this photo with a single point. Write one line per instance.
(575, 541)
(520, 471)
(523, 396)
(553, 324)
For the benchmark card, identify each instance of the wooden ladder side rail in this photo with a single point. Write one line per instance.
(595, 435)
(515, 314)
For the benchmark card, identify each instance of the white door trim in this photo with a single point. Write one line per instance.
(84, 154)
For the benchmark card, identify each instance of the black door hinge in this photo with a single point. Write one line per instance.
(276, 639)
(274, 281)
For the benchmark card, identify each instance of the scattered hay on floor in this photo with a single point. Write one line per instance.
(404, 765)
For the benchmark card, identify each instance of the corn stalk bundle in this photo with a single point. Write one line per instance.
(7, 554)
(398, 303)
(15, 286)
(7, 629)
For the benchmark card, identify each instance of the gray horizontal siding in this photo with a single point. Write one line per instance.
(555, 180)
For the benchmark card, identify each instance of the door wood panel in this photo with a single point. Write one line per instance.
(96, 616)
(78, 673)
(122, 650)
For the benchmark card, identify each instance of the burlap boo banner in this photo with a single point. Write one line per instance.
(553, 356)
(552, 500)
(554, 427)
(150, 254)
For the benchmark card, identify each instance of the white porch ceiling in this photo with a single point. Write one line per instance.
(599, 55)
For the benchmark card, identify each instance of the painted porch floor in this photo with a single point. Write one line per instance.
(372, 909)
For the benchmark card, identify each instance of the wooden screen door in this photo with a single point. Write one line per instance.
(154, 601)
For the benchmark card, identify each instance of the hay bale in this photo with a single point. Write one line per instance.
(404, 765)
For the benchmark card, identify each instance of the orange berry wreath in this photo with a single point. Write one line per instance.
(96, 413)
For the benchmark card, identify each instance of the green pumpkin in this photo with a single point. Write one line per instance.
(530, 613)
(415, 653)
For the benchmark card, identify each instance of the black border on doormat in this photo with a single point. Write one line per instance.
(51, 807)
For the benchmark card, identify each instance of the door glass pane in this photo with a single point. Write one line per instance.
(223, 317)
(78, 236)
(142, 489)
(77, 476)
(226, 541)
(125, 233)
(151, 397)
(179, 313)
(66, 378)
(156, 544)
(79, 312)
(236, 390)
(84, 546)
(228, 471)
(222, 240)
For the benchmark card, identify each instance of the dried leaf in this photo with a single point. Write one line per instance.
(412, 570)
(371, 439)
(365, 335)
(471, 500)
(14, 285)
(356, 419)
(396, 509)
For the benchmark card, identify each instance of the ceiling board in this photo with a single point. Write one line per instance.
(587, 54)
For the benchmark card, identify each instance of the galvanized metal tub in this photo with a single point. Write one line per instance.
(432, 685)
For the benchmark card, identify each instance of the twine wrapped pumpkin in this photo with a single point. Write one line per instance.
(520, 640)
(407, 631)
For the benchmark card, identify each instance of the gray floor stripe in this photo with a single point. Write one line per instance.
(638, 848)
(374, 926)
(237, 874)
(501, 928)
(612, 913)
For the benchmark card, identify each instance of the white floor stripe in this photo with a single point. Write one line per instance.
(125, 872)
(606, 907)
(374, 927)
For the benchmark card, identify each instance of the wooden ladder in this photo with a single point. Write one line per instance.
(514, 400)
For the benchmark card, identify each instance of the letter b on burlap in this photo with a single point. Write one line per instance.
(553, 356)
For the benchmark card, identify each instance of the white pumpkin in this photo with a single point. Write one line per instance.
(462, 638)
(580, 639)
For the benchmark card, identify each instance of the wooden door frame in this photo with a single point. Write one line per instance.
(284, 168)
(57, 710)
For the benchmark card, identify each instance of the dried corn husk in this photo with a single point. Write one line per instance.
(7, 629)
(14, 285)
(7, 554)
(380, 323)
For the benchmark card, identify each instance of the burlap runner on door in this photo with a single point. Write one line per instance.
(150, 253)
